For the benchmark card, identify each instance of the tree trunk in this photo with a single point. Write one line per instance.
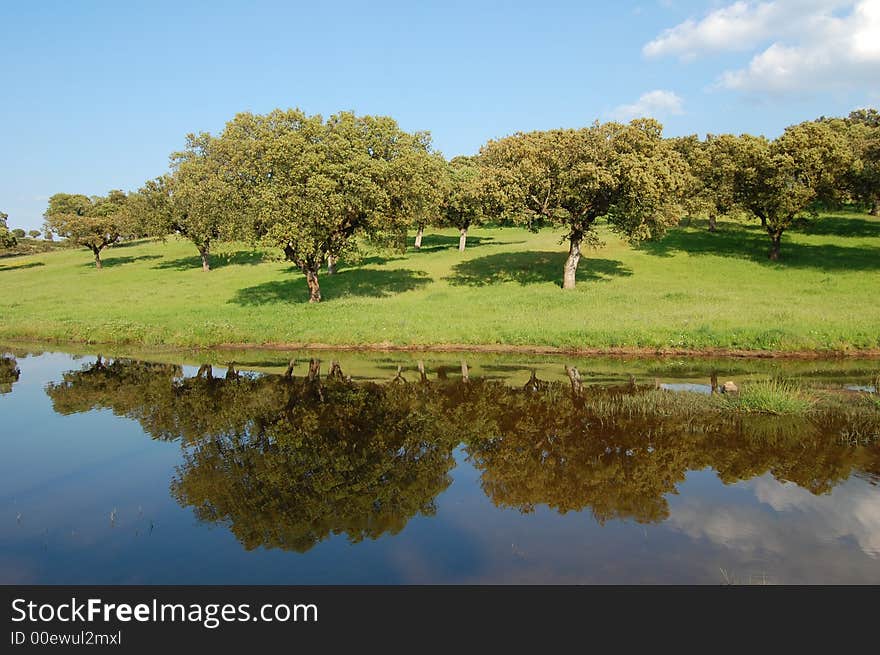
(533, 384)
(206, 265)
(775, 238)
(419, 234)
(331, 265)
(712, 222)
(98, 262)
(875, 207)
(465, 376)
(574, 377)
(462, 239)
(314, 286)
(571, 264)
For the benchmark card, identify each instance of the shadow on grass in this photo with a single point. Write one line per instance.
(238, 258)
(134, 242)
(109, 262)
(751, 243)
(435, 242)
(20, 266)
(352, 282)
(531, 268)
(842, 226)
(379, 260)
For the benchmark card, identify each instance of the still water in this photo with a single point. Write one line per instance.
(387, 469)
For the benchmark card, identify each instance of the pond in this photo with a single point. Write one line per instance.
(238, 467)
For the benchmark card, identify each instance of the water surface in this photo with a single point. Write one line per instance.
(392, 469)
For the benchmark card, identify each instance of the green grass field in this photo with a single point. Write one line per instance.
(691, 290)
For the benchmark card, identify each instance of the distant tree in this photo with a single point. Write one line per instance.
(195, 200)
(463, 196)
(313, 186)
(18, 233)
(627, 174)
(695, 201)
(427, 194)
(95, 223)
(7, 239)
(863, 178)
(777, 181)
(713, 170)
(34, 234)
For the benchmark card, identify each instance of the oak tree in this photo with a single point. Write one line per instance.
(713, 166)
(93, 222)
(429, 194)
(779, 180)
(463, 196)
(569, 178)
(7, 239)
(863, 179)
(195, 200)
(312, 186)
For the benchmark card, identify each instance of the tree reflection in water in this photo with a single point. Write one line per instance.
(287, 461)
(9, 373)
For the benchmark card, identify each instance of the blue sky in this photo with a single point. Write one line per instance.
(96, 95)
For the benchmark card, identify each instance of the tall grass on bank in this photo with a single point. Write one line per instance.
(769, 397)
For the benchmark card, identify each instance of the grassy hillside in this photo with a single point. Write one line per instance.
(692, 290)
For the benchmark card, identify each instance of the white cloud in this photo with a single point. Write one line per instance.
(743, 26)
(844, 53)
(804, 45)
(651, 104)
